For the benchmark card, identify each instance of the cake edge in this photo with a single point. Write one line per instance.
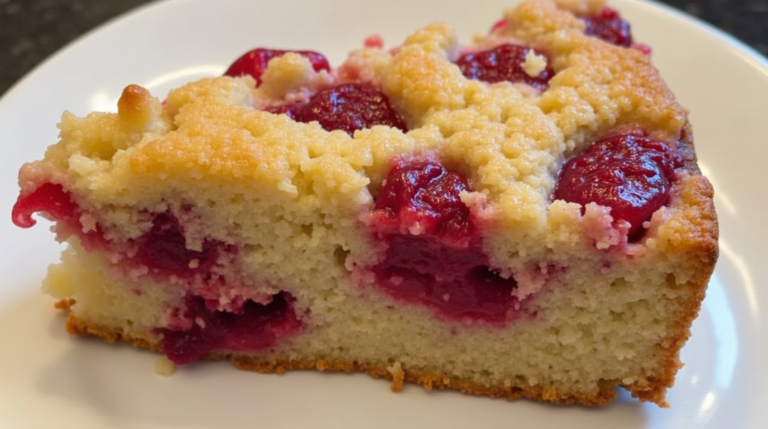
(429, 380)
(396, 375)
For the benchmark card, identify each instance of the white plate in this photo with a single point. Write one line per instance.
(48, 379)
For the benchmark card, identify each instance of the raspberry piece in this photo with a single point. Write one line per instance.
(455, 282)
(374, 41)
(285, 109)
(350, 107)
(499, 25)
(645, 49)
(433, 254)
(254, 328)
(164, 250)
(631, 174)
(255, 62)
(502, 63)
(426, 194)
(50, 198)
(609, 26)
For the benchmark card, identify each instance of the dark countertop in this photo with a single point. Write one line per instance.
(31, 30)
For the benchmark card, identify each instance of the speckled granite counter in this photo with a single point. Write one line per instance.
(31, 30)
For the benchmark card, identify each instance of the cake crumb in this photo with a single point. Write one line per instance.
(534, 64)
(398, 376)
(374, 41)
(164, 366)
(65, 304)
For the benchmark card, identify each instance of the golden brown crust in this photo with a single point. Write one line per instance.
(650, 391)
(686, 149)
(65, 304)
(75, 326)
(428, 380)
(700, 239)
(700, 212)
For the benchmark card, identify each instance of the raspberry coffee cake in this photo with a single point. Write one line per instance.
(518, 217)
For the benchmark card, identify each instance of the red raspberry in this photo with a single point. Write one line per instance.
(631, 174)
(499, 25)
(442, 266)
(424, 192)
(285, 109)
(164, 249)
(255, 327)
(50, 198)
(255, 62)
(348, 107)
(609, 26)
(502, 63)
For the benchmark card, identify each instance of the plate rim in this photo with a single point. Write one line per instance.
(750, 56)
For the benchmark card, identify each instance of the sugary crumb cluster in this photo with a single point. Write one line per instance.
(519, 217)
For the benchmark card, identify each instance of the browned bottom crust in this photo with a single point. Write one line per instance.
(429, 380)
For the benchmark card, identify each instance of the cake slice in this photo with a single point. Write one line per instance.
(519, 217)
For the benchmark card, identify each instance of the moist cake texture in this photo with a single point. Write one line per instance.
(519, 217)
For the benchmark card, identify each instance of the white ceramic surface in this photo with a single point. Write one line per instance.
(48, 379)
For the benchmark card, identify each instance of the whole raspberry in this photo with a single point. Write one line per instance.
(631, 174)
(609, 26)
(348, 107)
(424, 192)
(255, 62)
(502, 63)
